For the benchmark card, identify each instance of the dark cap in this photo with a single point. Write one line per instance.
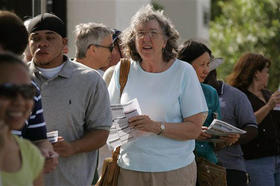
(47, 21)
(116, 34)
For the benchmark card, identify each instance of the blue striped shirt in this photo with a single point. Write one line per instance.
(35, 127)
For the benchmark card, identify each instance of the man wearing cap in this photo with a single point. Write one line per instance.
(236, 110)
(75, 100)
(94, 45)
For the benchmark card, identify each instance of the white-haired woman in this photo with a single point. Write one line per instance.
(171, 100)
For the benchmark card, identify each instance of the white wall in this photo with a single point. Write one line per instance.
(112, 13)
(186, 15)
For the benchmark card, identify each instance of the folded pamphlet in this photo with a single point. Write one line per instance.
(220, 128)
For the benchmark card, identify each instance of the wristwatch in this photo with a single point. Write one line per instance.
(162, 128)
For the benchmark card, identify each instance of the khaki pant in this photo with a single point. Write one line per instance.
(185, 176)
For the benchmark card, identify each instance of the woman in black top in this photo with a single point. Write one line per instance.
(262, 154)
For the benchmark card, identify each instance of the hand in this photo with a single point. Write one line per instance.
(63, 148)
(230, 139)
(50, 155)
(51, 162)
(203, 135)
(144, 123)
(274, 99)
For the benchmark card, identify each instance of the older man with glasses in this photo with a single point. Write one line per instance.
(94, 45)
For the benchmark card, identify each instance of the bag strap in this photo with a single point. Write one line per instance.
(124, 71)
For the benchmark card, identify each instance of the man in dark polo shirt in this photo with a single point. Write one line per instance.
(237, 111)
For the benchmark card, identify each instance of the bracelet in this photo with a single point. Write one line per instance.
(162, 128)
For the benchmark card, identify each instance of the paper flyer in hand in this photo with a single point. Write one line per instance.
(220, 128)
(120, 132)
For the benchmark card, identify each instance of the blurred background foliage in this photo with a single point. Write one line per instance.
(239, 26)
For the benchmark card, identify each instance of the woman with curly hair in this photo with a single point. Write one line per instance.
(262, 154)
(170, 98)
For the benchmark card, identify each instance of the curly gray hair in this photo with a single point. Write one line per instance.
(145, 15)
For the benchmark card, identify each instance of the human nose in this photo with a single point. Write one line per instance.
(43, 43)
(206, 70)
(147, 35)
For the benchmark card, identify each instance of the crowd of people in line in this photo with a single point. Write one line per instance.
(42, 90)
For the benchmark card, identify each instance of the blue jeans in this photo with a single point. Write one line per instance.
(264, 171)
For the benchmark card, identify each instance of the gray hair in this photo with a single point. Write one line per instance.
(88, 34)
(144, 15)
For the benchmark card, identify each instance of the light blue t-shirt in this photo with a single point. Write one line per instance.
(169, 96)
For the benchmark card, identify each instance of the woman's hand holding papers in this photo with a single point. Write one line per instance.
(203, 135)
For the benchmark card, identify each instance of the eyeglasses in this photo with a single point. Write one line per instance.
(152, 34)
(11, 91)
(111, 47)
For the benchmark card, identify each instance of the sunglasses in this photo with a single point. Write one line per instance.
(11, 91)
(111, 47)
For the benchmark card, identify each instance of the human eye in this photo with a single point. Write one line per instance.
(140, 33)
(50, 38)
(35, 38)
(154, 33)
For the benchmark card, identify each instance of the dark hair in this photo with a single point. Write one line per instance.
(13, 34)
(246, 67)
(191, 50)
(8, 58)
(144, 15)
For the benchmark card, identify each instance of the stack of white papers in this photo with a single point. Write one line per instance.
(120, 132)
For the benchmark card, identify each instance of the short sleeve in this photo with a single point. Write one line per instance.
(192, 100)
(114, 86)
(98, 113)
(35, 127)
(244, 112)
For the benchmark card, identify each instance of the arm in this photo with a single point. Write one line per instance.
(263, 112)
(231, 139)
(252, 132)
(98, 120)
(48, 152)
(92, 140)
(39, 181)
(188, 129)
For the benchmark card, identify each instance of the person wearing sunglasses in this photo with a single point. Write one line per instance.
(14, 38)
(94, 45)
(21, 163)
(75, 101)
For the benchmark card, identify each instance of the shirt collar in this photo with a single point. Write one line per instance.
(220, 88)
(65, 72)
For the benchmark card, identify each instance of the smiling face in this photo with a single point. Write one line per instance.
(47, 48)
(201, 66)
(15, 110)
(150, 40)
